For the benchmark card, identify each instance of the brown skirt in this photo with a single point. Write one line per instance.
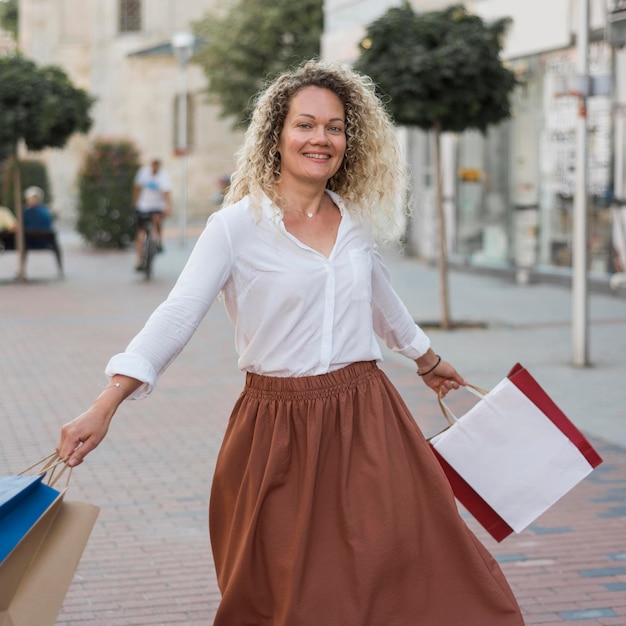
(329, 509)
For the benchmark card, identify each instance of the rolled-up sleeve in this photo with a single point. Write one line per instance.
(135, 366)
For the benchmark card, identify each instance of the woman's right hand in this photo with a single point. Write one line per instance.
(84, 433)
(80, 436)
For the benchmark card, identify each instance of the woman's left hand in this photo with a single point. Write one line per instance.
(442, 378)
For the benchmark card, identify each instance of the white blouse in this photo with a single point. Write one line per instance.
(295, 311)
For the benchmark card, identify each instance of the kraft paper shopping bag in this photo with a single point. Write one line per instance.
(37, 571)
(513, 455)
(38, 598)
(14, 567)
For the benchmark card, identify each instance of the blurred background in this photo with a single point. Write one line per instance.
(173, 79)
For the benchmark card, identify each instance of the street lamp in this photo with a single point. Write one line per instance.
(580, 299)
(182, 46)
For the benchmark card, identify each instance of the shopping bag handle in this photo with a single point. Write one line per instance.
(479, 392)
(50, 464)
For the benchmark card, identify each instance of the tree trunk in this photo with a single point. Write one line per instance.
(409, 246)
(443, 252)
(20, 244)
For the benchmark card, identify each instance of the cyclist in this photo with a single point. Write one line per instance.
(152, 200)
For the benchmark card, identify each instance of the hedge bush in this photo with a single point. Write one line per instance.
(32, 172)
(106, 217)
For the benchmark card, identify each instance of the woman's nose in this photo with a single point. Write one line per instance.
(320, 135)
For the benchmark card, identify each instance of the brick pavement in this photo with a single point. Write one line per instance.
(149, 560)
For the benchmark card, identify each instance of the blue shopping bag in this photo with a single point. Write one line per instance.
(23, 500)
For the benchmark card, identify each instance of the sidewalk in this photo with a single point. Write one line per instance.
(149, 558)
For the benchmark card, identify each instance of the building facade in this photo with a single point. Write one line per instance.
(120, 52)
(509, 194)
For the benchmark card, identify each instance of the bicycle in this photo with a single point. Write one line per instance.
(149, 246)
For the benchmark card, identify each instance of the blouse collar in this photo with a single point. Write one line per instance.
(271, 211)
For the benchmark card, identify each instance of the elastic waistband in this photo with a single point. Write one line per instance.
(311, 386)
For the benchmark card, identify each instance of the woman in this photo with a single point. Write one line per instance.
(327, 505)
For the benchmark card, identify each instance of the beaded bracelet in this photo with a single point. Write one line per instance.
(432, 368)
(116, 386)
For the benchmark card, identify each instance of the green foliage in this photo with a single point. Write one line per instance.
(106, 216)
(440, 68)
(32, 172)
(255, 41)
(39, 105)
(9, 16)
(5, 152)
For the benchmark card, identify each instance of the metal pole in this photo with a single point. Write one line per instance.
(183, 148)
(579, 259)
(182, 46)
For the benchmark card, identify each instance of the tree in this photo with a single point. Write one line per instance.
(41, 107)
(440, 71)
(32, 172)
(255, 40)
(9, 16)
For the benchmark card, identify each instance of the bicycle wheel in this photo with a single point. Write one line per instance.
(150, 250)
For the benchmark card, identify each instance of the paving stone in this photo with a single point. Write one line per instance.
(586, 614)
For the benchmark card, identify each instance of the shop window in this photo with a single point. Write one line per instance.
(130, 16)
(482, 183)
(558, 162)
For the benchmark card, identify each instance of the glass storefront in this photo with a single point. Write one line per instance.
(515, 185)
(482, 192)
(558, 161)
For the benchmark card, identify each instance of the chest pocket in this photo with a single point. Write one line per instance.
(361, 263)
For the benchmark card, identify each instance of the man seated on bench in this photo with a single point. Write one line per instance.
(39, 232)
(36, 216)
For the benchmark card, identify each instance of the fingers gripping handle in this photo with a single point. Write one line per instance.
(54, 466)
(479, 392)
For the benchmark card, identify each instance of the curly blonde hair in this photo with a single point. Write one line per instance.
(372, 176)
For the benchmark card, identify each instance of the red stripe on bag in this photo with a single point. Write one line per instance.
(481, 511)
(523, 380)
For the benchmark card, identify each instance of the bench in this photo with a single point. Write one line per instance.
(34, 240)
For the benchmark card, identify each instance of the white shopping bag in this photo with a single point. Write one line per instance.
(516, 451)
